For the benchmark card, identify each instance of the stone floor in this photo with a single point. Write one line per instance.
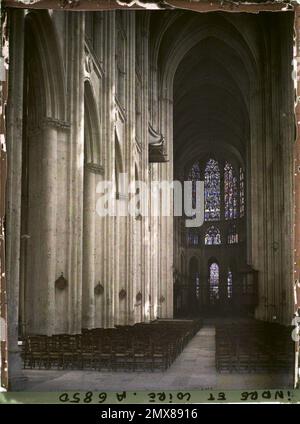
(193, 369)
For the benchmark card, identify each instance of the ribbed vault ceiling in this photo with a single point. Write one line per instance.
(211, 87)
(209, 99)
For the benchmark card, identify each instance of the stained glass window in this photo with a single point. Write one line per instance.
(213, 236)
(197, 285)
(242, 193)
(230, 192)
(232, 235)
(212, 191)
(229, 284)
(193, 239)
(214, 282)
(194, 176)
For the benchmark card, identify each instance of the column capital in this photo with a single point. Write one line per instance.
(94, 168)
(55, 123)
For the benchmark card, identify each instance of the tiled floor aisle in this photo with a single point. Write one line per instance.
(193, 369)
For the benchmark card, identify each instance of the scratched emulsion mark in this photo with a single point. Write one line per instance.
(150, 5)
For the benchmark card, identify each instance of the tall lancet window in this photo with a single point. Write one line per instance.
(213, 236)
(229, 284)
(194, 176)
(212, 191)
(213, 282)
(230, 192)
(242, 193)
(232, 235)
(197, 285)
(193, 239)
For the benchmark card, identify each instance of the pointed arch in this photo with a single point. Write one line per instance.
(44, 61)
(91, 126)
(213, 280)
(212, 236)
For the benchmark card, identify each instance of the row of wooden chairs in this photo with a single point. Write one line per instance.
(151, 346)
(254, 347)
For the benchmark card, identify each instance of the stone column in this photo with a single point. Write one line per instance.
(88, 264)
(154, 249)
(290, 173)
(47, 275)
(75, 78)
(255, 201)
(131, 234)
(109, 155)
(147, 300)
(99, 258)
(166, 229)
(14, 174)
(295, 207)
